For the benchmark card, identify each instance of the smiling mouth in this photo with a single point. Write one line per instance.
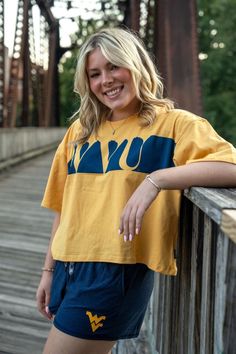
(114, 92)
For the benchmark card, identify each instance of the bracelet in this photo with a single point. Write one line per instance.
(148, 177)
(48, 269)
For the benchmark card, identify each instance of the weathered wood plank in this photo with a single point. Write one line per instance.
(154, 306)
(166, 318)
(205, 335)
(220, 294)
(212, 200)
(228, 223)
(24, 234)
(194, 281)
(183, 276)
(160, 312)
(229, 336)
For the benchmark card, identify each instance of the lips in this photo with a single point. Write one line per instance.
(113, 92)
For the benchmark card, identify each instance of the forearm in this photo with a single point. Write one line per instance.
(49, 262)
(207, 174)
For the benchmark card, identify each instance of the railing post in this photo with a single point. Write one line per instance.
(220, 295)
(205, 334)
(195, 289)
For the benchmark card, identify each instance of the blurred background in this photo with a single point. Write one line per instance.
(193, 43)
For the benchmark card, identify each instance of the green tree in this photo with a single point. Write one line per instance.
(69, 101)
(217, 38)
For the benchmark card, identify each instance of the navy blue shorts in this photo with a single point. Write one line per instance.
(94, 300)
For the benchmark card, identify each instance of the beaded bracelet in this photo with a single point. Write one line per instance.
(48, 269)
(148, 177)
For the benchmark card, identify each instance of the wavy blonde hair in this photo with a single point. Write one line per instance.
(122, 48)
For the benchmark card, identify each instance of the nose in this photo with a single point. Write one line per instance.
(107, 78)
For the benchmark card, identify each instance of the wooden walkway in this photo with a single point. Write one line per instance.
(24, 234)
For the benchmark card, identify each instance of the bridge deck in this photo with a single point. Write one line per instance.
(24, 233)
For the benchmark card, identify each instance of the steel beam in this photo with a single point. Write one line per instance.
(51, 89)
(2, 63)
(131, 10)
(13, 91)
(25, 116)
(47, 13)
(176, 50)
(52, 82)
(135, 14)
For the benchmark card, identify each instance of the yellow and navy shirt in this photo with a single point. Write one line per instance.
(90, 184)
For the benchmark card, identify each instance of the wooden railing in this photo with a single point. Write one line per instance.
(195, 312)
(20, 144)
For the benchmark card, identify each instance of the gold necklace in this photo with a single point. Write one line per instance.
(115, 129)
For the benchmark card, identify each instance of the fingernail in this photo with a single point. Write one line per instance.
(137, 231)
(125, 238)
(119, 232)
(47, 310)
(130, 237)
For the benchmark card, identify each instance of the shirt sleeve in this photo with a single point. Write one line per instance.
(198, 141)
(53, 195)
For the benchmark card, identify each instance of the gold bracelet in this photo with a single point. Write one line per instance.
(148, 177)
(48, 269)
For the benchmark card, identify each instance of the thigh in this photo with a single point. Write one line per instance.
(62, 343)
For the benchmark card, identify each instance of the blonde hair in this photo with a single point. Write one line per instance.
(122, 48)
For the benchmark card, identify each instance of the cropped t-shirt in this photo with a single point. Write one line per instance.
(89, 184)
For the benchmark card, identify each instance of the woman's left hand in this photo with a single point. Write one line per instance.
(132, 215)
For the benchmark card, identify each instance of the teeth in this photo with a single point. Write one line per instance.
(113, 92)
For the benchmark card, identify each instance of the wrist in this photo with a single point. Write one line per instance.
(47, 270)
(154, 182)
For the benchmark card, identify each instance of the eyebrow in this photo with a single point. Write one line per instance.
(93, 69)
(97, 69)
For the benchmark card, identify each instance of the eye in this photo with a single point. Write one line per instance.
(113, 67)
(93, 75)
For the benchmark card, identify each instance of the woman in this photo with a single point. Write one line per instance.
(115, 185)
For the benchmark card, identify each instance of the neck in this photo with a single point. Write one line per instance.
(120, 115)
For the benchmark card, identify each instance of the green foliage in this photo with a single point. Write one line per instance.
(69, 101)
(217, 37)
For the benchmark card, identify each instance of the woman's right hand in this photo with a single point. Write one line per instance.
(43, 294)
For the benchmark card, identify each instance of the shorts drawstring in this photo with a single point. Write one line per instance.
(71, 268)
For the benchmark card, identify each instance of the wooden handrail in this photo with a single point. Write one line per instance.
(212, 201)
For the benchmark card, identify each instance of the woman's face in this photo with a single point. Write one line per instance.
(112, 85)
